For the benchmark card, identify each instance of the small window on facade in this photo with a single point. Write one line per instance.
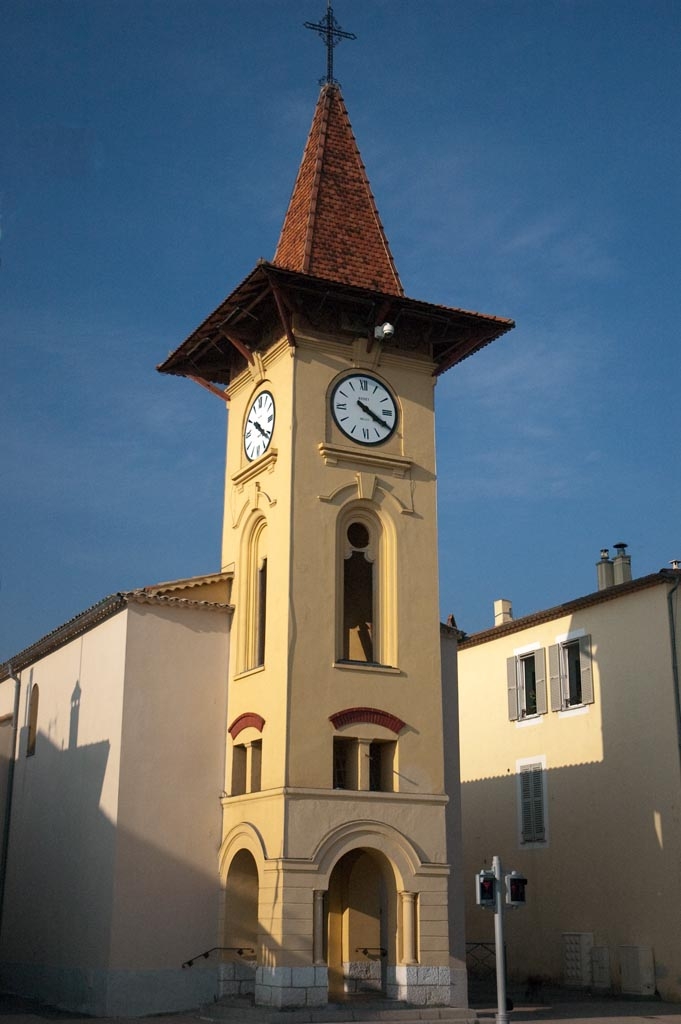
(246, 767)
(381, 759)
(344, 763)
(532, 810)
(32, 721)
(526, 682)
(255, 773)
(571, 675)
(358, 596)
(238, 769)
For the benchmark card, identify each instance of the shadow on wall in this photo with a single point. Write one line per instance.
(88, 903)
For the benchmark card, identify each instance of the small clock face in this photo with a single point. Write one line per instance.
(259, 426)
(364, 409)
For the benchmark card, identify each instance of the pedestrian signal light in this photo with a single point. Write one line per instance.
(485, 889)
(515, 889)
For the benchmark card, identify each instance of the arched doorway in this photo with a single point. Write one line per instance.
(240, 931)
(362, 925)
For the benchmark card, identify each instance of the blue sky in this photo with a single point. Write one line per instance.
(525, 158)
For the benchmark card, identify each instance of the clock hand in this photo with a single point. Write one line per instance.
(367, 410)
(263, 432)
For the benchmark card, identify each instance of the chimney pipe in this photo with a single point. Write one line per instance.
(503, 611)
(675, 563)
(622, 563)
(605, 570)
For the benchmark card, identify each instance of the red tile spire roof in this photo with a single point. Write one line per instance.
(332, 229)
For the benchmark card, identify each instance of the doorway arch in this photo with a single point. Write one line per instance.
(241, 903)
(361, 925)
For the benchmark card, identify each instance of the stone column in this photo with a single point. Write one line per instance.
(318, 927)
(408, 927)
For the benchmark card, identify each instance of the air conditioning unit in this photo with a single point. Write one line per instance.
(577, 948)
(600, 968)
(637, 967)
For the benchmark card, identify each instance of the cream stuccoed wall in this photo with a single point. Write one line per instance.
(112, 879)
(309, 474)
(301, 493)
(65, 813)
(610, 865)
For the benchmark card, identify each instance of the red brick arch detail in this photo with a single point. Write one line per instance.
(371, 716)
(246, 721)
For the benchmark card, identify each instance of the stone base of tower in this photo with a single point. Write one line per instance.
(419, 986)
(289, 987)
(285, 987)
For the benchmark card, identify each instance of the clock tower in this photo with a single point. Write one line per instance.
(337, 847)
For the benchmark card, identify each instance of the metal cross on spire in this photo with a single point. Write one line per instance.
(331, 32)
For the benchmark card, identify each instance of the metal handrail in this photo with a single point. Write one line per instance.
(239, 950)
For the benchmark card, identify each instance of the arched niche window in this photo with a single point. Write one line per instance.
(359, 592)
(254, 597)
(365, 749)
(365, 606)
(32, 721)
(246, 734)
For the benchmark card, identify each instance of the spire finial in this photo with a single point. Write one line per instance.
(331, 32)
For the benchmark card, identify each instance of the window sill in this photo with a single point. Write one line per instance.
(249, 672)
(366, 666)
(574, 710)
(529, 720)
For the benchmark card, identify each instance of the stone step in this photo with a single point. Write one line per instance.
(242, 1011)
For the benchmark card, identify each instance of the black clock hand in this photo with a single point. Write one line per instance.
(373, 415)
(263, 432)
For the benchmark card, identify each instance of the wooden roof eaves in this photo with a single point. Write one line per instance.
(282, 285)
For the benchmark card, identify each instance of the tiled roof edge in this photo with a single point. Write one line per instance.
(559, 610)
(91, 617)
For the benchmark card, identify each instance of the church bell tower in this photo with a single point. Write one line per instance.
(334, 857)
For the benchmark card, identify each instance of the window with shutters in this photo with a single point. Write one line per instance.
(526, 680)
(571, 673)
(531, 777)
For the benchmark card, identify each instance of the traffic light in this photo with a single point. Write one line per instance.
(485, 889)
(515, 889)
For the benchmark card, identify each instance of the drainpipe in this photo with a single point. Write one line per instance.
(10, 789)
(675, 659)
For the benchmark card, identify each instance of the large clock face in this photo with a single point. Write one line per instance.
(259, 426)
(364, 409)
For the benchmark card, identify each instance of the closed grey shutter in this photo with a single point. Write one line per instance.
(554, 673)
(512, 686)
(540, 680)
(585, 670)
(532, 804)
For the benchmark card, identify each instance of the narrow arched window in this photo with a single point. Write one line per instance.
(253, 597)
(359, 597)
(32, 721)
(365, 586)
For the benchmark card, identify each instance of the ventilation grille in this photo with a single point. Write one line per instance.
(577, 948)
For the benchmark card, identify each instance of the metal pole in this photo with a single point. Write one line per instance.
(502, 1013)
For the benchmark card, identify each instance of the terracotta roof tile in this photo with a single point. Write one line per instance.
(332, 229)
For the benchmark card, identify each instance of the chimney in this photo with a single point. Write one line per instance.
(675, 563)
(622, 564)
(503, 611)
(605, 570)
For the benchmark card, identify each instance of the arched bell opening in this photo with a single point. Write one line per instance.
(362, 926)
